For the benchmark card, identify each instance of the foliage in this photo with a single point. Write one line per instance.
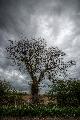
(40, 62)
(66, 92)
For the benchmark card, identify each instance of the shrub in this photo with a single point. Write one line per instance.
(67, 93)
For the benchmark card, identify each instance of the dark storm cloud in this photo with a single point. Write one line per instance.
(15, 13)
(58, 21)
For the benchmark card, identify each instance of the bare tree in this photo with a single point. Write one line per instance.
(40, 61)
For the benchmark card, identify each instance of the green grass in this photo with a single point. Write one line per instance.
(40, 111)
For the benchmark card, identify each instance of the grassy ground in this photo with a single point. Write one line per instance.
(46, 118)
(39, 111)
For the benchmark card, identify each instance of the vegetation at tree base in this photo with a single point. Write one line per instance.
(67, 93)
(40, 62)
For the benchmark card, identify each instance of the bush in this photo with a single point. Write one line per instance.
(67, 93)
(7, 95)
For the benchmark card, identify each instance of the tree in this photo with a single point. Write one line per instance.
(40, 61)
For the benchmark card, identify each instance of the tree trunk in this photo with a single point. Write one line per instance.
(34, 92)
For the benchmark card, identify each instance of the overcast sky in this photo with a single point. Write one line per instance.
(58, 21)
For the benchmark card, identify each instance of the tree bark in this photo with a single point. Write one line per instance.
(34, 92)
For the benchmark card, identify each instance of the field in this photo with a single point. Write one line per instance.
(44, 99)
